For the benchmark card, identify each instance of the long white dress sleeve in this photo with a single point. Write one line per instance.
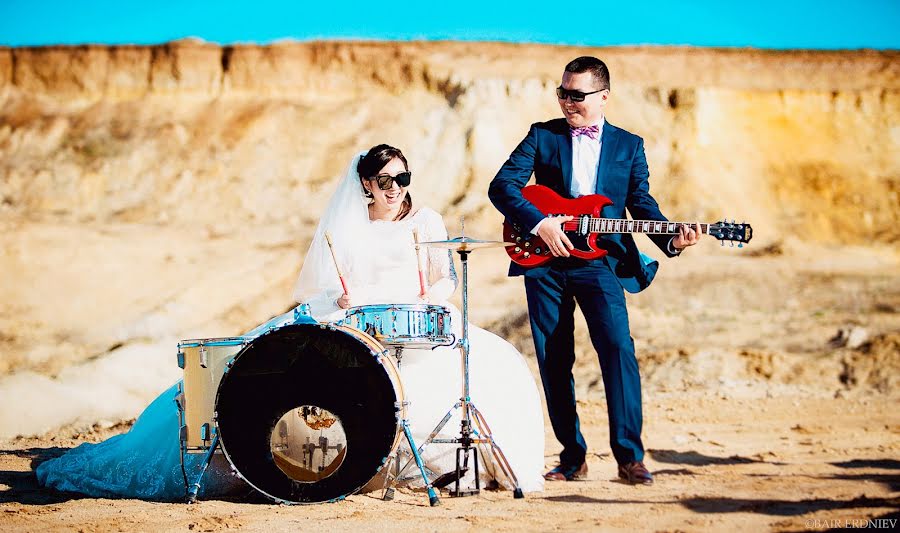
(441, 276)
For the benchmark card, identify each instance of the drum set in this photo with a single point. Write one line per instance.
(309, 412)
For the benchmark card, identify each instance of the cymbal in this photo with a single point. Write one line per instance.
(465, 244)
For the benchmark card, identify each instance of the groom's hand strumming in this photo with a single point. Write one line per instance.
(550, 231)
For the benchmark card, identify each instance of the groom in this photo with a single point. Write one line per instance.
(579, 155)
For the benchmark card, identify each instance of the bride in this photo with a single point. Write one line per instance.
(370, 219)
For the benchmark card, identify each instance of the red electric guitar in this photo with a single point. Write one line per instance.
(531, 251)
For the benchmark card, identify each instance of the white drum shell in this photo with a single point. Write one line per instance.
(204, 361)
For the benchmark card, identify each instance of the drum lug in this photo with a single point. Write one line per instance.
(179, 400)
(182, 426)
(180, 358)
(204, 356)
(301, 310)
(206, 432)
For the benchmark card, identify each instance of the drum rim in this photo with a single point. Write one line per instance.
(397, 307)
(436, 340)
(215, 341)
(381, 357)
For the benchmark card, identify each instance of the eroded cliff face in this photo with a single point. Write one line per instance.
(802, 144)
(161, 193)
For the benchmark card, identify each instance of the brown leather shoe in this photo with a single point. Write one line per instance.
(635, 473)
(567, 473)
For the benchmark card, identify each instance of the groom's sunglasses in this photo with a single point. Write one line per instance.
(385, 182)
(576, 96)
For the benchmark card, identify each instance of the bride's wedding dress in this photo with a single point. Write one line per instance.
(143, 463)
(501, 385)
(380, 265)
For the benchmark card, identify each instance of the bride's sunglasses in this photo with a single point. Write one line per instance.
(385, 182)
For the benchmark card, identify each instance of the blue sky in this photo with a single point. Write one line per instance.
(822, 24)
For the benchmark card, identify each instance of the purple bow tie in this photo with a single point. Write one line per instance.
(591, 131)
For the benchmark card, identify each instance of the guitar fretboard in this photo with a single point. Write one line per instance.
(618, 225)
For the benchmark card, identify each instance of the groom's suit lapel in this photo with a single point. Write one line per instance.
(609, 140)
(564, 152)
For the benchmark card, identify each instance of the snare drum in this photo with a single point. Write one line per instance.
(408, 325)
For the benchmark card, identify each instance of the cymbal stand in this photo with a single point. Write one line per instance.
(469, 435)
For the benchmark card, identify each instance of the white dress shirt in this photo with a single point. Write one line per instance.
(585, 160)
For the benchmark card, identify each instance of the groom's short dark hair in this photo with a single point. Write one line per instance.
(597, 68)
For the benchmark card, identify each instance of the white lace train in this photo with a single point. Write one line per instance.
(142, 463)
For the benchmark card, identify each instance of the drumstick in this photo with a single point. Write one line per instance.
(419, 263)
(336, 266)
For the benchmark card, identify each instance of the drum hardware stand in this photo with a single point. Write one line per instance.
(469, 436)
(398, 354)
(191, 490)
(194, 489)
(388, 488)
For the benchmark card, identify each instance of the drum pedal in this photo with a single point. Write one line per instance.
(448, 477)
(388, 495)
(462, 492)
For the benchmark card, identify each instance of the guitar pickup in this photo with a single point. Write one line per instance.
(584, 222)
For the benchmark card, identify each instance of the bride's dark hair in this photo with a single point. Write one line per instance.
(371, 164)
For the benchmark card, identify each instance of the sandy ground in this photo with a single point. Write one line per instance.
(770, 388)
(782, 463)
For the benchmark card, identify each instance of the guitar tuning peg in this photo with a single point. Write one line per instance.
(731, 243)
(741, 245)
(721, 243)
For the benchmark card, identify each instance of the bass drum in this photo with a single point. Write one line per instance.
(310, 413)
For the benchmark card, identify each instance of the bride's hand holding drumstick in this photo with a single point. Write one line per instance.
(344, 301)
(423, 294)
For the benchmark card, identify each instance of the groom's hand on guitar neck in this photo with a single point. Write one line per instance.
(686, 236)
(550, 231)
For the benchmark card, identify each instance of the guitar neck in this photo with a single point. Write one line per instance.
(619, 225)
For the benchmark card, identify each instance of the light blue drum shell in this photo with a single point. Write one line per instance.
(412, 325)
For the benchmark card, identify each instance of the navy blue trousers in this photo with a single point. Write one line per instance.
(551, 308)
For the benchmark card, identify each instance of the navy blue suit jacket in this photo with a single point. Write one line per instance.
(622, 176)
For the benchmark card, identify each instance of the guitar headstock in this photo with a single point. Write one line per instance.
(735, 232)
